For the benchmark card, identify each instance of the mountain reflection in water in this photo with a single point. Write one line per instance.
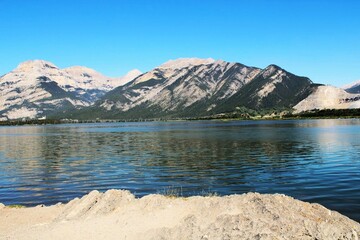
(312, 160)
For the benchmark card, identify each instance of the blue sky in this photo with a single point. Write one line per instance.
(314, 38)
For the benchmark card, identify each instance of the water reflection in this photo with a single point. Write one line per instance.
(315, 160)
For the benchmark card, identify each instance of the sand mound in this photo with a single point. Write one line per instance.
(117, 214)
(95, 204)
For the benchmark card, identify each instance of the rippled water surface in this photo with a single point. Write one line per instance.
(312, 160)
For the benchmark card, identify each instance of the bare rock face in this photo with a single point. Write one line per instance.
(328, 97)
(179, 85)
(202, 87)
(38, 88)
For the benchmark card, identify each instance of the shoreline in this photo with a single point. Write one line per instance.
(118, 214)
(229, 116)
(60, 122)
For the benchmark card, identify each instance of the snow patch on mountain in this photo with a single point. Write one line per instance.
(328, 97)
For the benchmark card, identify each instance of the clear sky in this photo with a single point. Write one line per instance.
(314, 38)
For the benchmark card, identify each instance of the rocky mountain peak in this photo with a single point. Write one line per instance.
(271, 70)
(79, 69)
(31, 65)
(184, 87)
(133, 74)
(38, 88)
(185, 62)
(352, 87)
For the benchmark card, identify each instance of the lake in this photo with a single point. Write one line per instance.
(311, 160)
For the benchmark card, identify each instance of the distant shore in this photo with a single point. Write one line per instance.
(315, 114)
(117, 214)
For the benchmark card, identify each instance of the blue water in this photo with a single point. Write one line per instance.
(312, 160)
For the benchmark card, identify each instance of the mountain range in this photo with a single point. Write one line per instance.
(187, 87)
(38, 88)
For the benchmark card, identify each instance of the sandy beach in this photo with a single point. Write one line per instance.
(117, 214)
